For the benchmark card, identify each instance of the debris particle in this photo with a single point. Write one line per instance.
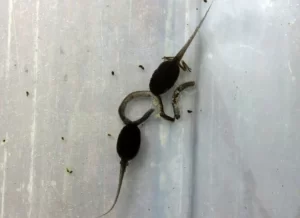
(197, 9)
(27, 93)
(15, 65)
(62, 138)
(142, 67)
(61, 51)
(3, 140)
(66, 77)
(69, 171)
(112, 73)
(108, 134)
(205, 1)
(26, 70)
(189, 111)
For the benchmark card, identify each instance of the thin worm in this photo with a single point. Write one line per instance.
(175, 97)
(161, 109)
(137, 94)
(124, 103)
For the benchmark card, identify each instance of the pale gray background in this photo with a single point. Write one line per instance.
(236, 156)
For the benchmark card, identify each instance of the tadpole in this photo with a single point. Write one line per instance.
(128, 146)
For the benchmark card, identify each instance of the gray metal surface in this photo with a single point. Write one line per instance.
(236, 155)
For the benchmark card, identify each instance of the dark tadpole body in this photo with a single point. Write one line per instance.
(165, 76)
(128, 146)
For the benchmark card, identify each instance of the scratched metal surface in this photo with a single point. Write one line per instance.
(236, 155)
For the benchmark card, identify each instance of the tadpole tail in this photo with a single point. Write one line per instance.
(175, 97)
(121, 175)
(124, 103)
(187, 44)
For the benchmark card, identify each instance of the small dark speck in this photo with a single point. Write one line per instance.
(15, 65)
(69, 171)
(66, 77)
(26, 70)
(200, 109)
(246, 208)
(197, 9)
(282, 186)
(3, 140)
(108, 134)
(27, 93)
(112, 73)
(205, 1)
(189, 111)
(62, 138)
(149, 209)
(61, 51)
(142, 67)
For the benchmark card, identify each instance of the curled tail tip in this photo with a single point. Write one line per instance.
(102, 215)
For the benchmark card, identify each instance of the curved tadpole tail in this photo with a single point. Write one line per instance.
(124, 103)
(187, 44)
(175, 97)
(121, 175)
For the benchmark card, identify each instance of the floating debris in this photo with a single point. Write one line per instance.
(142, 67)
(69, 171)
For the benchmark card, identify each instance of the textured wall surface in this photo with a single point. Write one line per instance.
(236, 156)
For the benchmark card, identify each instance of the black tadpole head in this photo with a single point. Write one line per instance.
(129, 141)
(164, 77)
